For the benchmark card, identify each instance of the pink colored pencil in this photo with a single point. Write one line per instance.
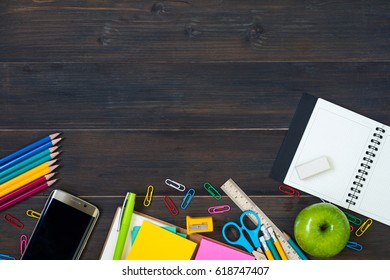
(25, 188)
(27, 194)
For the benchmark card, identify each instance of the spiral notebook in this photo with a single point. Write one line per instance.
(337, 155)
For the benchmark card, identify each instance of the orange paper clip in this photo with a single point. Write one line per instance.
(13, 221)
(171, 206)
(363, 228)
(148, 196)
(289, 191)
(218, 209)
(23, 243)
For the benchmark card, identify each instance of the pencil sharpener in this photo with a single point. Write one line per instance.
(199, 224)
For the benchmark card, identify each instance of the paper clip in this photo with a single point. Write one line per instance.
(33, 214)
(13, 221)
(289, 191)
(351, 228)
(148, 196)
(23, 243)
(354, 246)
(6, 257)
(218, 209)
(353, 219)
(175, 185)
(363, 228)
(213, 191)
(187, 199)
(170, 205)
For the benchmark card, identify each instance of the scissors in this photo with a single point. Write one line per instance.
(253, 234)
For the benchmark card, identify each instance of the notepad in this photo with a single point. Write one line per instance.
(156, 243)
(210, 250)
(358, 151)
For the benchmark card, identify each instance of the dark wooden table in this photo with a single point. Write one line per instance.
(193, 91)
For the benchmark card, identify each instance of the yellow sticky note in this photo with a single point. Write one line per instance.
(156, 243)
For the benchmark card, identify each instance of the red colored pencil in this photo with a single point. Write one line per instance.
(25, 188)
(27, 194)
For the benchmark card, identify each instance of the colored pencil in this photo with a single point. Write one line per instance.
(32, 159)
(28, 148)
(27, 194)
(28, 167)
(29, 154)
(27, 187)
(24, 179)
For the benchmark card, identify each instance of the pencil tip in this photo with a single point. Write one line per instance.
(54, 135)
(55, 141)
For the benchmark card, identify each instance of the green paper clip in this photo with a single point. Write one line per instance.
(213, 191)
(353, 219)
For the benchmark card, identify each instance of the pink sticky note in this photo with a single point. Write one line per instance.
(209, 250)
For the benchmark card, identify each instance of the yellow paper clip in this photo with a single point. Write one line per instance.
(363, 228)
(187, 198)
(199, 224)
(175, 185)
(33, 214)
(148, 196)
(213, 191)
(352, 219)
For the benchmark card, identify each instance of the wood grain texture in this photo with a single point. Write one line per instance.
(190, 90)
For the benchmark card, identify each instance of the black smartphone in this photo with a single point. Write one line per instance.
(63, 228)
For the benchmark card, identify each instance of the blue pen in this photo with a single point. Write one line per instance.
(29, 154)
(28, 148)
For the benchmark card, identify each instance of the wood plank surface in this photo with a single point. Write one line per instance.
(193, 91)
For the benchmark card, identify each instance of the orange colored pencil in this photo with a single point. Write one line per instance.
(28, 177)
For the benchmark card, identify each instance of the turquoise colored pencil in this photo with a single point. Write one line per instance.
(48, 154)
(30, 164)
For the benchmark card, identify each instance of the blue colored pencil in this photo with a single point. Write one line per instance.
(28, 148)
(29, 154)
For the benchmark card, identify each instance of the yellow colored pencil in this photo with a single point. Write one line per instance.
(27, 177)
(267, 251)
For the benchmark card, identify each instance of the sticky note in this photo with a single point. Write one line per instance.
(312, 167)
(156, 243)
(210, 250)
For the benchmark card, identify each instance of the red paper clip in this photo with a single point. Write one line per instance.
(170, 205)
(23, 243)
(289, 191)
(13, 221)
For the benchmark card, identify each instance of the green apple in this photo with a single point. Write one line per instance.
(322, 230)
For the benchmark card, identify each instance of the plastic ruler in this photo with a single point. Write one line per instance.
(245, 203)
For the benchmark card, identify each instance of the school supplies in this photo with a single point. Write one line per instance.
(363, 228)
(28, 148)
(187, 198)
(354, 246)
(156, 243)
(356, 147)
(212, 250)
(199, 224)
(294, 246)
(266, 250)
(6, 257)
(23, 240)
(212, 190)
(251, 244)
(148, 196)
(124, 224)
(218, 209)
(171, 206)
(33, 214)
(238, 196)
(270, 243)
(277, 244)
(175, 185)
(289, 191)
(13, 221)
(26, 194)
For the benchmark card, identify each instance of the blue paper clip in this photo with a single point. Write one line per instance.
(213, 191)
(354, 246)
(6, 257)
(187, 198)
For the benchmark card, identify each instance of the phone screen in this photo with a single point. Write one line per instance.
(59, 234)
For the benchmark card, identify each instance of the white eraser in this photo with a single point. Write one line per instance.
(312, 167)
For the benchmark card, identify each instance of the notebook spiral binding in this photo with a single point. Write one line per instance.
(365, 166)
